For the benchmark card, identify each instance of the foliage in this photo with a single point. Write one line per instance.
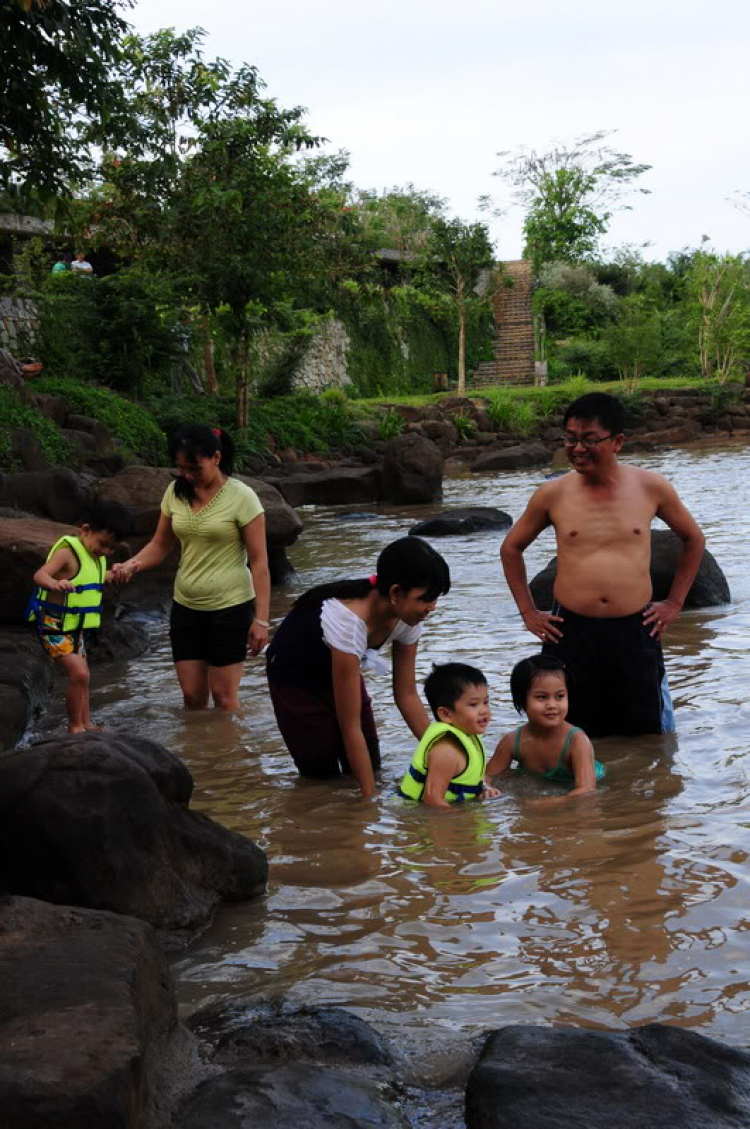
(304, 423)
(451, 262)
(58, 77)
(571, 300)
(131, 424)
(334, 396)
(398, 219)
(391, 425)
(589, 356)
(465, 425)
(718, 288)
(566, 193)
(510, 413)
(634, 340)
(15, 413)
(109, 330)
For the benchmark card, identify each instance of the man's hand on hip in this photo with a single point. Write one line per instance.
(542, 624)
(660, 615)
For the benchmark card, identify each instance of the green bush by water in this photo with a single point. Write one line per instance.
(14, 413)
(130, 423)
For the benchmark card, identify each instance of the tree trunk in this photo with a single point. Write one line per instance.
(209, 371)
(243, 382)
(461, 347)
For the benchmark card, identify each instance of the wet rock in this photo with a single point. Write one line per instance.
(296, 1094)
(709, 589)
(58, 494)
(541, 1078)
(517, 457)
(412, 471)
(441, 431)
(467, 519)
(118, 639)
(101, 820)
(88, 1018)
(25, 684)
(335, 487)
(272, 1034)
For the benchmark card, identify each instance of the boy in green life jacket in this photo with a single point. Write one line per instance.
(449, 761)
(68, 597)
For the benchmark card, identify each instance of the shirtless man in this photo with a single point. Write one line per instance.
(603, 623)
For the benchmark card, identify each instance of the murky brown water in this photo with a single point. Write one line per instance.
(631, 908)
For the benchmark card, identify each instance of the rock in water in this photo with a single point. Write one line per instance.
(467, 519)
(542, 1078)
(709, 589)
(412, 470)
(101, 820)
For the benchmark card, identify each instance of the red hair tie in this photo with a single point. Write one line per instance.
(217, 432)
(373, 580)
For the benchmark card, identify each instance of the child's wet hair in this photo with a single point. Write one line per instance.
(446, 682)
(108, 517)
(527, 671)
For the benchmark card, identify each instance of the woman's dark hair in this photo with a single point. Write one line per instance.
(199, 441)
(525, 673)
(408, 563)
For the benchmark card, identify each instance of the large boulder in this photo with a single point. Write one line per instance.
(24, 544)
(102, 820)
(88, 1020)
(340, 486)
(462, 520)
(709, 589)
(542, 1078)
(58, 494)
(412, 471)
(25, 684)
(518, 457)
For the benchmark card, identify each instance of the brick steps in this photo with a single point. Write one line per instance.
(513, 350)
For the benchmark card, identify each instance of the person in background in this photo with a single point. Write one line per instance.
(62, 264)
(448, 764)
(222, 588)
(333, 631)
(81, 264)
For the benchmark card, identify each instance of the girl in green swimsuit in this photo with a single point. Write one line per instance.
(547, 745)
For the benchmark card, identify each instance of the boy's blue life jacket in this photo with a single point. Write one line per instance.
(468, 785)
(82, 606)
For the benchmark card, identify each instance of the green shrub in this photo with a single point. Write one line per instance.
(131, 424)
(333, 396)
(589, 356)
(14, 413)
(464, 425)
(510, 413)
(391, 425)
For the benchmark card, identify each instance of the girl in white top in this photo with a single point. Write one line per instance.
(331, 634)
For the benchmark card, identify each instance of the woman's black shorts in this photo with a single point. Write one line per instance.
(215, 638)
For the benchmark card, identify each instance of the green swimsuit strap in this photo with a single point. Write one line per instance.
(517, 746)
(566, 746)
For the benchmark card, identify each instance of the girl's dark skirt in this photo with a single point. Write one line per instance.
(310, 728)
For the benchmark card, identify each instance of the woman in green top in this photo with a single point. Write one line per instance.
(221, 528)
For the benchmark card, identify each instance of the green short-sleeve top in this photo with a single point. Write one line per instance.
(213, 572)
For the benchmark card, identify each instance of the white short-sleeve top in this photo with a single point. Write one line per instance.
(344, 630)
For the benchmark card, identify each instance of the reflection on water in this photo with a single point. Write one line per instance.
(629, 908)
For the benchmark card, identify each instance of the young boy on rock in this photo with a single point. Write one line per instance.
(448, 763)
(68, 598)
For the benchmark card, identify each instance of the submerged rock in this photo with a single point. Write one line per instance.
(88, 1019)
(25, 684)
(517, 457)
(466, 519)
(101, 820)
(709, 589)
(542, 1078)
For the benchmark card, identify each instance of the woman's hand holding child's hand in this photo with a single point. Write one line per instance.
(123, 571)
(488, 792)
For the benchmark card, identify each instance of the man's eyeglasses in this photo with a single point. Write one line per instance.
(590, 442)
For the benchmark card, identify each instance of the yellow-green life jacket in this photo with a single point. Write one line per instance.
(467, 786)
(83, 604)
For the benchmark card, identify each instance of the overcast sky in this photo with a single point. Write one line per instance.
(428, 91)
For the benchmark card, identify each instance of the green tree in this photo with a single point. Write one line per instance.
(634, 340)
(568, 193)
(399, 219)
(718, 288)
(455, 260)
(58, 79)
